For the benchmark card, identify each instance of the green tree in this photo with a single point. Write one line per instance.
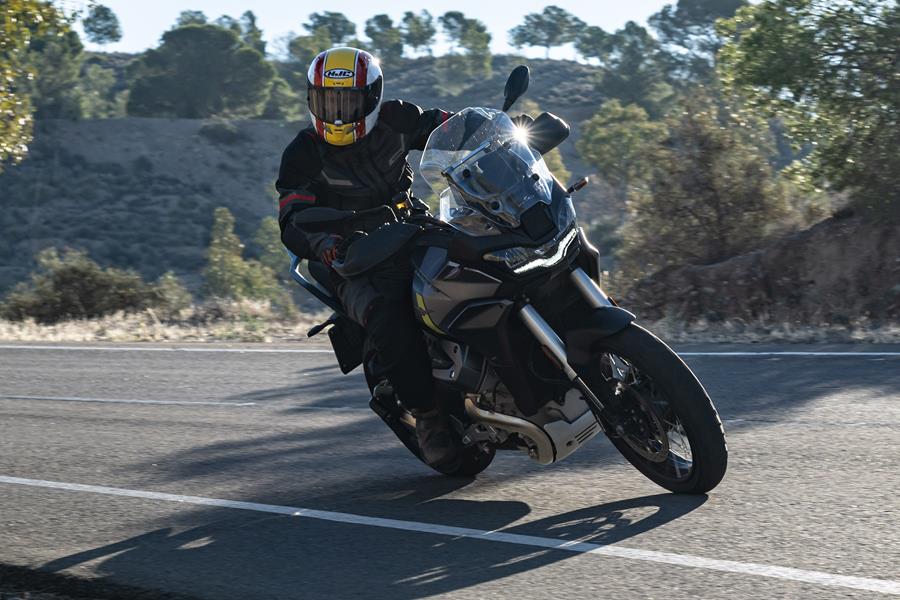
(304, 48)
(283, 103)
(191, 17)
(616, 141)
(830, 70)
(101, 25)
(97, 93)
(20, 21)
(340, 28)
(634, 69)
(418, 30)
(591, 42)
(708, 193)
(458, 71)
(200, 71)
(270, 250)
(476, 41)
(453, 23)
(229, 22)
(547, 29)
(57, 58)
(688, 29)
(385, 39)
(246, 28)
(229, 275)
(251, 34)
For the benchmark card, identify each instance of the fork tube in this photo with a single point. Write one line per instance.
(595, 296)
(549, 340)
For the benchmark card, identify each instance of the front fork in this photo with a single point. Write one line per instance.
(551, 342)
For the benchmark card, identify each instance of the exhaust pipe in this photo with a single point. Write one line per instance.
(543, 451)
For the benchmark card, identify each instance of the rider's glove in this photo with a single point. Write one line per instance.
(328, 251)
(344, 246)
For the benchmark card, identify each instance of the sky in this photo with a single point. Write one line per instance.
(143, 23)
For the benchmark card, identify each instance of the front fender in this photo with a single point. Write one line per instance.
(603, 322)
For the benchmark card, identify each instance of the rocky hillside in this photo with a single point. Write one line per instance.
(135, 192)
(140, 193)
(837, 272)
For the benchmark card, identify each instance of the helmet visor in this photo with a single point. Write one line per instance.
(333, 104)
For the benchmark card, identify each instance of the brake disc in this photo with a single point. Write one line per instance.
(642, 442)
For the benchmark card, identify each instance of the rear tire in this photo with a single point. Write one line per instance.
(472, 460)
(685, 396)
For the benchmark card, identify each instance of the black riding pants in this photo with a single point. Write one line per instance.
(381, 301)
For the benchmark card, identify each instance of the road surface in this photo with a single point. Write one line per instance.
(236, 472)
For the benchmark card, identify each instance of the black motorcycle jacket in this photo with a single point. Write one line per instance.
(369, 173)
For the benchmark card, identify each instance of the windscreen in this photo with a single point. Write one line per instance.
(492, 174)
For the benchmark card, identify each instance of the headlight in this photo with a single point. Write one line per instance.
(523, 259)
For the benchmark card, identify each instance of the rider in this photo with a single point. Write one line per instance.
(353, 157)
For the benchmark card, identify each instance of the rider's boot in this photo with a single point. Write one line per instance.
(437, 443)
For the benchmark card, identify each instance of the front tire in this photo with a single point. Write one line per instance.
(658, 392)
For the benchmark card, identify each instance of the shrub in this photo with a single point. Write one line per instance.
(229, 275)
(73, 286)
(170, 296)
(142, 166)
(222, 132)
(708, 192)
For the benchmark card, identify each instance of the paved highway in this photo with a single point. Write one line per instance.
(236, 472)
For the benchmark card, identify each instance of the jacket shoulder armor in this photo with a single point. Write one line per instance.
(303, 153)
(402, 117)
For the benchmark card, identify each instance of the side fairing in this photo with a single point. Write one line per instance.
(450, 297)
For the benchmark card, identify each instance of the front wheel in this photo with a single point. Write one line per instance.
(664, 422)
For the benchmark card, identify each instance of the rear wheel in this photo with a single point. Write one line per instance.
(472, 459)
(665, 423)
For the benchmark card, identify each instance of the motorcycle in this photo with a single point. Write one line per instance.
(507, 289)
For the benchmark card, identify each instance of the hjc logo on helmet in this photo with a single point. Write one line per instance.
(339, 73)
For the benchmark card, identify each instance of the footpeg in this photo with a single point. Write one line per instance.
(318, 328)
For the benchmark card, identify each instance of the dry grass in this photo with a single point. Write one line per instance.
(209, 322)
(255, 322)
(737, 331)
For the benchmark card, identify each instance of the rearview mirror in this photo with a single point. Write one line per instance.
(547, 132)
(516, 85)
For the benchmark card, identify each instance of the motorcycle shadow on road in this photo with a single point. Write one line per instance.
(230, 554)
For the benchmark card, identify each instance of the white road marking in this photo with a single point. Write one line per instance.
(176, 402)
(877, 354)
(884, 586)
(169, 349)
(795, 353)
(123, 401)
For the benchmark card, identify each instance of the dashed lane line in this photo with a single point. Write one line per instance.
(126, 401)
(883, 586)
(795, 353)
(169, 349)
(860, 354)
(176, 402)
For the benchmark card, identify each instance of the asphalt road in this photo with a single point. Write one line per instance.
(809, 507)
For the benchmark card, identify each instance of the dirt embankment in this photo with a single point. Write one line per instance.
(839, 272)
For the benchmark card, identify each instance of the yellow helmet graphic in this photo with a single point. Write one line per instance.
(344, 91)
